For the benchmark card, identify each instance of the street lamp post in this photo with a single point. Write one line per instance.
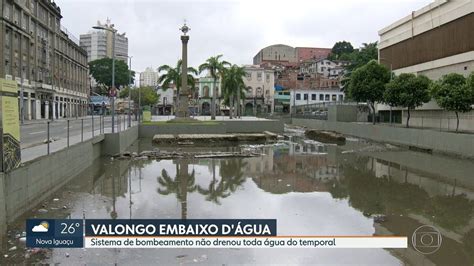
(129, 86)
(111, 29)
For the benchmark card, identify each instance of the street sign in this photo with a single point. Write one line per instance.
(113, 92)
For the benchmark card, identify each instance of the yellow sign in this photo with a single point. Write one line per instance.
(10, 125)
(146, 116)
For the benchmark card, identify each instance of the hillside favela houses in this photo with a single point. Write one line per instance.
(436, 40)
(273, 84)
(45, 60)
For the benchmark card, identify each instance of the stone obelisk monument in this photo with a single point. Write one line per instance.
(183, 111)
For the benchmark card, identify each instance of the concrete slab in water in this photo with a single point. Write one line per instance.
(187, 138)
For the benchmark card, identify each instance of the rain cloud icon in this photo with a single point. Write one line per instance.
(41, 228)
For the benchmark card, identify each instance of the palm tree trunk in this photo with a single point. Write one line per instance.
(231, 103)
(213, 101)
(238, 102)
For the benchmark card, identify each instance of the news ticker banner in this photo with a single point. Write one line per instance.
(193, 233)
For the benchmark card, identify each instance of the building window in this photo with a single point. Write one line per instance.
(305, 96)
(249, 91)
(259, 75)
(313, 97)
(248, 75)
(333, 98)
(267, 76)
(7, 9)
(341, 98)
(326, 97)
(206, 91)
(321, 97)
(298, 96)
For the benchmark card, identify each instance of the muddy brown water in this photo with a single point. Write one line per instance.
(309, 187)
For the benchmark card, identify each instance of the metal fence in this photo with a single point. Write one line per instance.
(49, 137)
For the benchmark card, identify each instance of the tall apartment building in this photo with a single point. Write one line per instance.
(44, 58)
(98, 44)
(149, 78)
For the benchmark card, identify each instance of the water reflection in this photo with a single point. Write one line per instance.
(309, 187)
(181, 185)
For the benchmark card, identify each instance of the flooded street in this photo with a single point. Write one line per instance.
(310, 188)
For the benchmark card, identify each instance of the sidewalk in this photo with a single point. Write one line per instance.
(31, 153)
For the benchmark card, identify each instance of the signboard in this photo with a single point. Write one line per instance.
(10, 126)
(146, 116)
(113, 92)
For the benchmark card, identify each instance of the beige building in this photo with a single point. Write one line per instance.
(260, 84)
(45, 60)
(436, 40)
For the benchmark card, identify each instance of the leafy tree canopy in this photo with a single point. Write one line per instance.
(367, 84)
(453, 93)
(409, 91)
(101, 71)
(341, 48)
(148, 95)
(363, 55)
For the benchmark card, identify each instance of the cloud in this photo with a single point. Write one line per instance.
(236, 29)
(39, 228)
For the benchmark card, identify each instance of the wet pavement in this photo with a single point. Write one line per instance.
(311, 188)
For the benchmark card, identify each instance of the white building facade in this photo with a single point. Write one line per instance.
(98, 44)
(314, 96)
(149, 78)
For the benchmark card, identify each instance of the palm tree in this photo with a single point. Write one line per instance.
(173, 76)
(233, 87)
(215, 68)
(231, 178)
(181, 185)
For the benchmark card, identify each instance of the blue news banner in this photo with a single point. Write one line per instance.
(70, 233)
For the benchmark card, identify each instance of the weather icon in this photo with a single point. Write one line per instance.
(41, 228)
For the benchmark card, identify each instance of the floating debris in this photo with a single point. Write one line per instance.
(325, 136)
(180, 154)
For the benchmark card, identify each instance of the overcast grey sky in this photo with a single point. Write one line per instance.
(236, 29)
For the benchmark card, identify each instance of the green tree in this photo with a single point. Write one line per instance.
(358, 58)
(341, 48)
(215, 67)
(363, 55)
(233, 88)
(453, 93)
(173, 76)
(470, 84)
(101, 71)
(148, 95)
(408, 91)
(367, 84)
